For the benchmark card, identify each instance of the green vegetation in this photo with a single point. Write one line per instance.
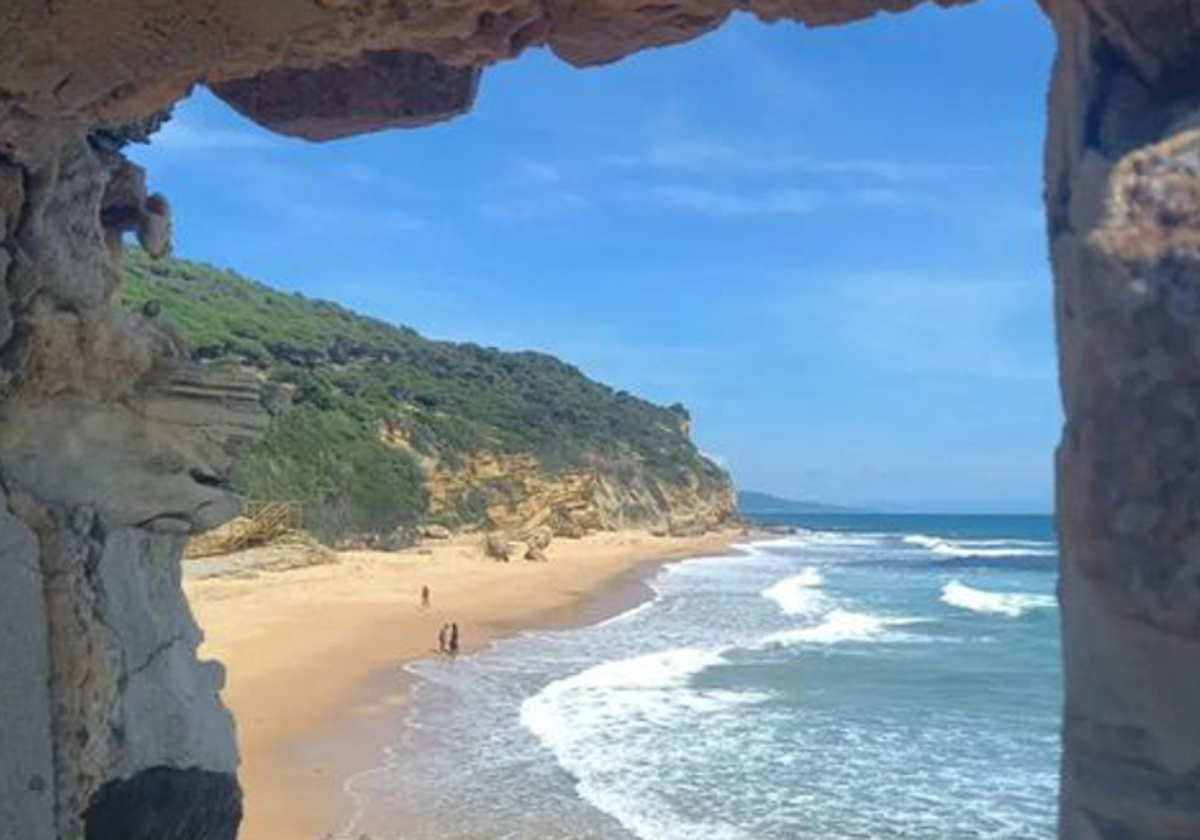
(351, 376)
(347, 479)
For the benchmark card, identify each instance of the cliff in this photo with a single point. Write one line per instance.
(377, 428)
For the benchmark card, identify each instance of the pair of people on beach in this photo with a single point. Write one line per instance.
(448, 639)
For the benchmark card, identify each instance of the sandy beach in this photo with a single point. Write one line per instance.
(314, 652)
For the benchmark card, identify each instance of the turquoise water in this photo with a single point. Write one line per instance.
(867, 677)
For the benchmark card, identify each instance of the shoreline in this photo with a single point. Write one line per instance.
(316, 654)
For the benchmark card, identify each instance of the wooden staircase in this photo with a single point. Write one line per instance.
(260, 522)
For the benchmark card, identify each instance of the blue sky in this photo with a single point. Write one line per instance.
(827, 243)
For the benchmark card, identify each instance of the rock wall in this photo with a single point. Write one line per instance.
(111, 448)
(1123, 197)
(135, 57)
(520, 496)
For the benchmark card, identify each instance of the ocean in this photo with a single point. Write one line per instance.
(873, 676)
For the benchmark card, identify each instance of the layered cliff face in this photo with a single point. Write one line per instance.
(121, 735)
(113, 448)
(518, 496)
(379, 428)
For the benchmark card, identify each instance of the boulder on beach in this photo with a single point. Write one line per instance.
(497, 548)
(435, 532)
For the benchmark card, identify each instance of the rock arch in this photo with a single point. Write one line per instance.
(113, 447)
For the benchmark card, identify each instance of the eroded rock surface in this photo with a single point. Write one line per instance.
(1124, 211)
(69, 60)
(523, 497)
(112, 449)
(27, 805)
(379, 90)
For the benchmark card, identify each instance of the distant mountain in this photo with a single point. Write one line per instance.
(751, 502)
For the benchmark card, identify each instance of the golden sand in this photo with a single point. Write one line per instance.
(314, 653)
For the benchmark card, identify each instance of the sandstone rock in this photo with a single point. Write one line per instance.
(536, 544)
(165, 453)
(126, 207)
(521, 495)
(496, 547)
(292, 551)
(435, 532)
(540, 537)
(569, 529)
(687, 529)
(1122, 206)
(27, 787)
(154, 230)
(379, 90)
(135, 61)
(176, 707)
(122, 351)
(6, 315)
(63, 243)
(401, 538)
(277, 398)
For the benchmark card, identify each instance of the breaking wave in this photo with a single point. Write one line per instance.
(1011, 604)
(842, 626)
(604, 723)
(799, 594)
(982, 548)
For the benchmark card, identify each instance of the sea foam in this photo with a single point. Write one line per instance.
(820, 540)
(982, 548)
(1011, 604)
(604, 723)
(842, 626)
(798, 595)
(653, 687)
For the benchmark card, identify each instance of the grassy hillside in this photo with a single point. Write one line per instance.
(350, 376)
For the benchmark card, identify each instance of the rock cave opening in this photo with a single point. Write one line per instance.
(114, 446)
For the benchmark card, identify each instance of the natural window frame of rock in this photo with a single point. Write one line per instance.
(113, 448)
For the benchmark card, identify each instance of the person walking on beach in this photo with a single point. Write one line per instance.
(454, 639)
(424, 597)
(444, 639)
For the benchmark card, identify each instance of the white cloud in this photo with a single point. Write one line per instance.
(907, 323)
(676, 153)
(714, 156)
(361, 174)
(711, 177)
(679, 148)
(335, 216)
(307, 201)
(539, 172)
(528, 205)
(887, 170)
(182, 134)
(729, 203)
